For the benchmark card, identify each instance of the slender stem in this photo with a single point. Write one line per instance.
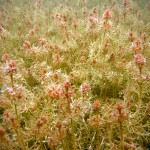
(110, 137)
(12, 81)
(19, 135)
(68, 101)
(41, 144)
(60, 135)
(73, 137)
(121, 137)
(97, 140)
(140, 84)
(140, 91)
(52, 148)
(1, 142)
(121, 133)
(113, 91)
(68, 107)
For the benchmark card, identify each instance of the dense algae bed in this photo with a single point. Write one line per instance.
(74, 74)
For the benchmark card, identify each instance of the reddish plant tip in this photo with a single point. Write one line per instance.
(42, 41)
(95, 121)
(4, 56)
(139, 14)
(8, 116)
(94, 10)
(20, 94)
(119, 106)
(138, 41)
(44, 119)
(84, 11)
(125, 2)
(131, 36)
(2, 132)
(125, 115)
(67, 84)
(82, 59)
(96, 105)
(139, 59)
(92, 14)
(85, 88)
(53, 142)
(59, 124)
(27, 44)
(54, 94)
(4, 103)
(144, 36)
(70, 93)
(1, 28)
(107, 14)
(75, 24)
(41, 121)
(11, 67)
(131, 33)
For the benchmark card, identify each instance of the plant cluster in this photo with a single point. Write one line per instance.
(74, 75)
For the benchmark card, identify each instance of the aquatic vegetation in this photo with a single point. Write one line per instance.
(74, 75)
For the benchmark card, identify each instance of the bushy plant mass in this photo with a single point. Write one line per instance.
(74, 74)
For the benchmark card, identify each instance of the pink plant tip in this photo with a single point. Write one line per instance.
(139, 59)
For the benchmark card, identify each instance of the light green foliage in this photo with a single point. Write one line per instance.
(74, 74)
